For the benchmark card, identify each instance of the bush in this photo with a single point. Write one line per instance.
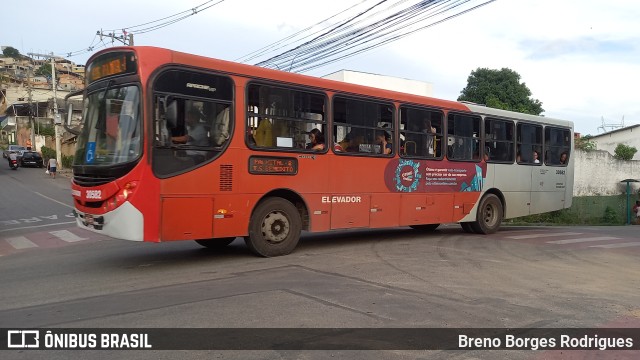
(67, 161)
(586, 144)
(47, 153)
(624, 152)
(610, 216)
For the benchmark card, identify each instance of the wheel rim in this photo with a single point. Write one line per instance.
(275, 227)
(490, 215)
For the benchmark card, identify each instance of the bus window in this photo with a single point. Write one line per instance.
(420, 132)
(498, 140)
(192, 120)
(463, 141)
(529, 149)
(362, 127)
(283, 118)
(557, 143)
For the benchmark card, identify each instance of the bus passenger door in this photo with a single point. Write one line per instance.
(350, 211)
(548, 186)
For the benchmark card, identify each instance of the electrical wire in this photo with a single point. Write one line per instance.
(120, 34)
(363, 33)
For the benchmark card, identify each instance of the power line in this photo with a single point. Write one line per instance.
(367, 30)
(124, 35)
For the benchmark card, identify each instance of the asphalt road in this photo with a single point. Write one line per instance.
(525, 277)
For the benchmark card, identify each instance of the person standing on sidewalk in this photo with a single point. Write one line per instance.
(53, 164)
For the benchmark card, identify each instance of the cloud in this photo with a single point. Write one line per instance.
(618, 49)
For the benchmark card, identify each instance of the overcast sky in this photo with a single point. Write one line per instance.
(581, 59)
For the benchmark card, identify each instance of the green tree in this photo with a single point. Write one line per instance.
(624, 152)
(500, 89)
(11, 52)
(586, 143)
(44, 70)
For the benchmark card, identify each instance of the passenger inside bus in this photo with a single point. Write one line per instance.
(316, 140)
(563, 158)
(196, 134)
(383, 139)
(430, 131)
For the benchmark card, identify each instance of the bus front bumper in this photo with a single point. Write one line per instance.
(125, 222)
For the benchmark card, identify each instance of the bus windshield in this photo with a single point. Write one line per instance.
(112, 127)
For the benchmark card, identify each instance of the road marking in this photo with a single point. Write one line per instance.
(66, 235)
(620, 245)
(21, 242)
(535, 236)
(573, 241)
(37, 226)
(54, 200)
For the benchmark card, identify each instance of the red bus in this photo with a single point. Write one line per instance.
(183, 147)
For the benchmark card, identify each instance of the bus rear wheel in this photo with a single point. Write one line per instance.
(218, 243)
(425, 227)
(489, 216)
(274, 228)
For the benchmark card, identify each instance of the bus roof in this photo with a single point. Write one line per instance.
(485, 110)
(257, 72)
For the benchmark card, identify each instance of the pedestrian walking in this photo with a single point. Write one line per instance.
(53, 164)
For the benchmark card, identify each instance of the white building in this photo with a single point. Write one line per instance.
(384, 82)
(629, 135)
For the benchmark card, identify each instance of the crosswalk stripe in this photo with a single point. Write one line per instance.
(620, 245)
(21, 242)
(574, 241)
(66, 235)
(535, 236)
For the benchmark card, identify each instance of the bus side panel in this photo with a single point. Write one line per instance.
(464, 203)
(231, 214)
(385, 210)
(186, 218)
(350, 211)
(417, 209)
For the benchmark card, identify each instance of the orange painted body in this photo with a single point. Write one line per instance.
(338, 191)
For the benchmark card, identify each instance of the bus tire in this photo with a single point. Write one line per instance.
(425, 227)
(218, 243)
(466, 227)
(274, 228)
(489, 215)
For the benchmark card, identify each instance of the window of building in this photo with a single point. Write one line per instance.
(285, 118)
(463, 137)
(529, 144)
(363, 127)
(557, 146)
(499, 139)
(421, 132)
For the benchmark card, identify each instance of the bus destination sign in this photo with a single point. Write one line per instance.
(268, 165)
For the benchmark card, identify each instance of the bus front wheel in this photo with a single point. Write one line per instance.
(274, 228)
(216, 243)
(489, 216)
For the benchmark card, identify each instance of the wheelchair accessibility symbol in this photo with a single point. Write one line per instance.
(91, 152)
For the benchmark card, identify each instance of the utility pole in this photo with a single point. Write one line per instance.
(122, 38)
(56, 117)
(31, 122)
